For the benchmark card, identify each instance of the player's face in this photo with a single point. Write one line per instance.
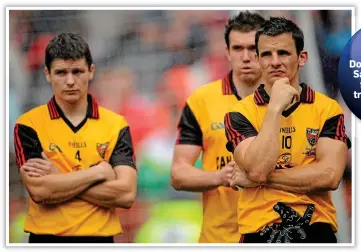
(70, 79)
(242, 56)
(278, 58)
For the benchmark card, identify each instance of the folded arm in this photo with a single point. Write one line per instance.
(50, 188)
(331, 157)
(322, 175)
(256, 152)
(119, 192)
(59, 187)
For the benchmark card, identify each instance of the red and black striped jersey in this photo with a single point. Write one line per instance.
(315, 116)
(102, 135)
(201, 124)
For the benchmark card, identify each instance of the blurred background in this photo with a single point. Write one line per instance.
(147, 63)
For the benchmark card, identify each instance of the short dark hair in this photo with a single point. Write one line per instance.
(276, 26)
(67, 46)
(245, 21)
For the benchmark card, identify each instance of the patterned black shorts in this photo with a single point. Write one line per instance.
(292, 229)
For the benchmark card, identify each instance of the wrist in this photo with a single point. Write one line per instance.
(98, 172)
(217, 178)
(274, 109)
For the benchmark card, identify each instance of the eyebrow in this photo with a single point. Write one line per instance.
(250, 47)
(279, 51)
(265, 53)
(71, 69)
(283, 51)
(60, 70)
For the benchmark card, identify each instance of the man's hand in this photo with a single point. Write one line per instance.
(37, 167)
(240, 179)
(282, 94)
(224, 175)
(106, 169)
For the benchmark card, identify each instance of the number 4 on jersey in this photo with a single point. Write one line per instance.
(77, 155)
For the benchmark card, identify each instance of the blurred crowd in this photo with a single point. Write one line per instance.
(147, 63)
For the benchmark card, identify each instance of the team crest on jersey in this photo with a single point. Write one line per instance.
(101, 148)
(53, 146)
(284, 161)
(312, 136)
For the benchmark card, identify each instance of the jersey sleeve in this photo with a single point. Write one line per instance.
(27, 144)
(334, 126)
(123, 153)
(237, 128)
(189, 131)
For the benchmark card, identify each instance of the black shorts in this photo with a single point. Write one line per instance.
(35, 238)
(315, 233)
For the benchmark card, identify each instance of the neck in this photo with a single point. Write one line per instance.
(244, 89)
(74, 110)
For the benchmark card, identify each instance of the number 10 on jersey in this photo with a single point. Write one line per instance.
(286, 142)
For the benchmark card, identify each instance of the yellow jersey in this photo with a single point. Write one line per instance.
(315, 116)
(102, 135)
(201, 124)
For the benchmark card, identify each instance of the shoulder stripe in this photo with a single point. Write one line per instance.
(56, 113)
(339, 132)
(95, 109)
(52, 109)
(51, 112)
(226, 85)
(234, 136)
(313, 95)
(229, 91)
(310, 95)
(255, 98)
(235, 132)
(20, 157)
(259, 99)
(343, 125)
(228, 131)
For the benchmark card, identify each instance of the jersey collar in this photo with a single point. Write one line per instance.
(307, 95)
(228, 87)
(55, 111)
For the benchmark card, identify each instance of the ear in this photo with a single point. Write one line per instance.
(47, 74)
(91, 71)
(302, 58)
(228, 53)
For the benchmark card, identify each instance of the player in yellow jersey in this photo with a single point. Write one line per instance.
(290, 146)
(75, 158)
(201, 129)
